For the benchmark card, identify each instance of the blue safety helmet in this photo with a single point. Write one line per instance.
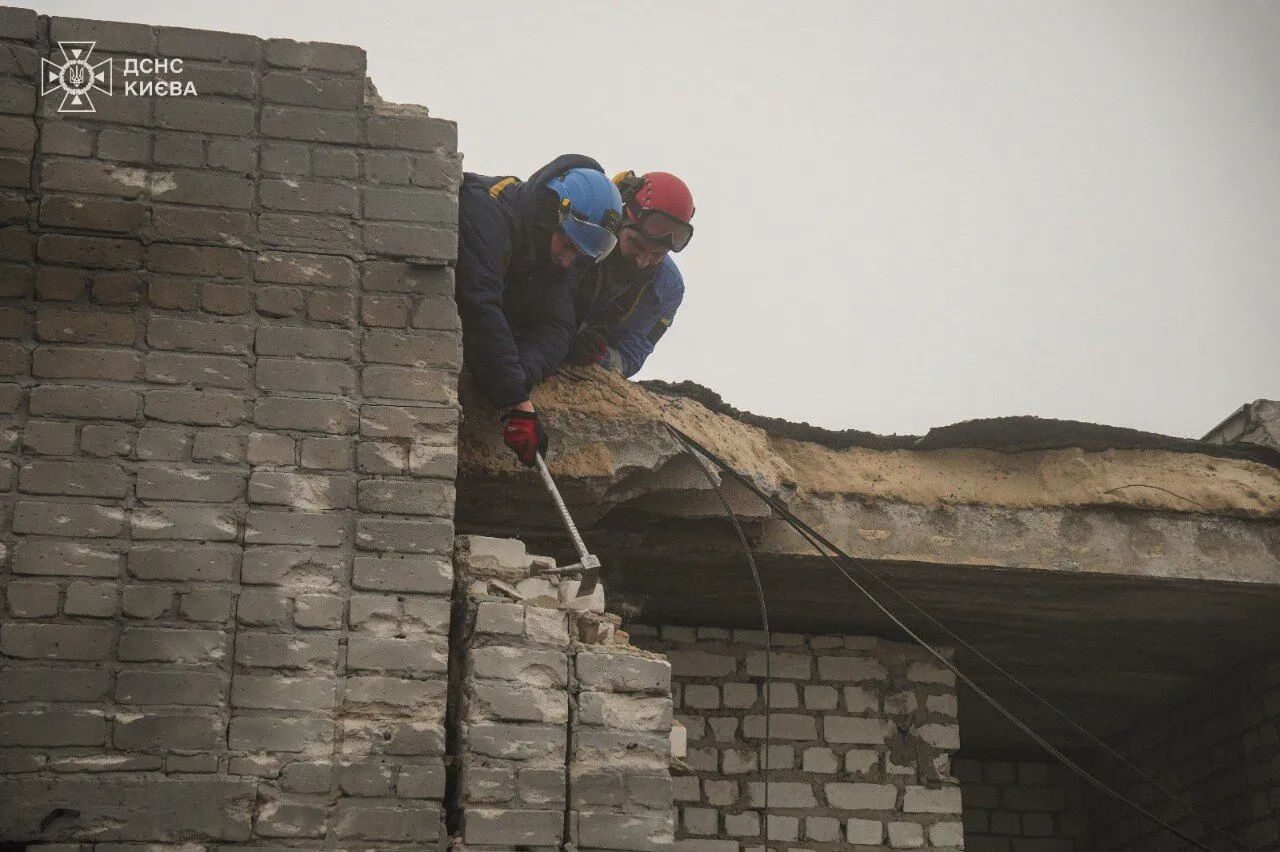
(590, 211)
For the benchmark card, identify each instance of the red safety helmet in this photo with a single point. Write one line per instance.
(660, 205)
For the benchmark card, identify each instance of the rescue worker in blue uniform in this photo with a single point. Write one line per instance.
(522, 246)
(624, 305)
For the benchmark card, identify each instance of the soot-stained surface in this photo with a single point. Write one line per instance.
(1021, 433)
(1103, 649)
(1113, 571)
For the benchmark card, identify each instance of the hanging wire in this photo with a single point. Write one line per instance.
(764, 622)
(822, 545)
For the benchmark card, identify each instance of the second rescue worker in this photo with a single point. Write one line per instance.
(624, 305)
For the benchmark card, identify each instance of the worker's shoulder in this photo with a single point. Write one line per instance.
(667, 279)
(483, 191)
(481, 209)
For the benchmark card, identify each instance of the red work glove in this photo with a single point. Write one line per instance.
(588, 348)
(523, 433)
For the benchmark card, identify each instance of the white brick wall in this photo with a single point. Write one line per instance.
(862, 732)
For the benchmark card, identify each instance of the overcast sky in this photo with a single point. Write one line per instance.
(909, 213)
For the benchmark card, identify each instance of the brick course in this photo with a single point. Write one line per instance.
(562, 728)
(862, 731)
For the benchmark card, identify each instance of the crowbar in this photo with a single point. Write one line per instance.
(588, 566)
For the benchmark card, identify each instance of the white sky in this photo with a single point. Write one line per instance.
(910, 213)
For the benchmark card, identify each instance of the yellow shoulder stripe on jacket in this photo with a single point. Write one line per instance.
(497, 188)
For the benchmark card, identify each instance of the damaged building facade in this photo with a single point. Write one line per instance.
(1127, 579)
(271, 581)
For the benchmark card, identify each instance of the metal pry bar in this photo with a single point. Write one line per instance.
(587, 565)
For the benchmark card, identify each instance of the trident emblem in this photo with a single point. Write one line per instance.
(76, 76)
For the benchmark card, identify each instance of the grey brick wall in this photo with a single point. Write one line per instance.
(229, 355)
(1022, 807)
(1219, 751)
(862, 729)
(561, 730)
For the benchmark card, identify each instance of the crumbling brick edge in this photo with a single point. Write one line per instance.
(545, 692)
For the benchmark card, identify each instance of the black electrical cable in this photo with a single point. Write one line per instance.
(777, 506)
(866, 571)
(815, 538)
(764, 622)
(1026, 729)
(819, 542)
(1038, 698)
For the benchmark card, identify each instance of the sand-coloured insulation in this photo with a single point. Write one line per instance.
(604, 427)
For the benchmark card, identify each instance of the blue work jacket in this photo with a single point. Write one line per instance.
(631, 315)
(516, 305)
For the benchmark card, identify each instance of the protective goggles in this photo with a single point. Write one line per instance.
(661, 228)
(590, 239)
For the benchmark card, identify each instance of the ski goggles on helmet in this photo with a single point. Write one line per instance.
(594, 241)
(661, 228)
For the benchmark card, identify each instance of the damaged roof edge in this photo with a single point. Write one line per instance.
(610, 447)
(1002, 434)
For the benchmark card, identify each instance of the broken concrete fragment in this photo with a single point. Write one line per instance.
(504, 558)
(569, 597)
(538, 587)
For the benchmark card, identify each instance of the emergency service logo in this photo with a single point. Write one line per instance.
(76, 77)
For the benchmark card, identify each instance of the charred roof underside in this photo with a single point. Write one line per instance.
(1114, 571)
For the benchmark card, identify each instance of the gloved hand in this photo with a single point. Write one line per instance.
(588, 348)
(523, 433)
